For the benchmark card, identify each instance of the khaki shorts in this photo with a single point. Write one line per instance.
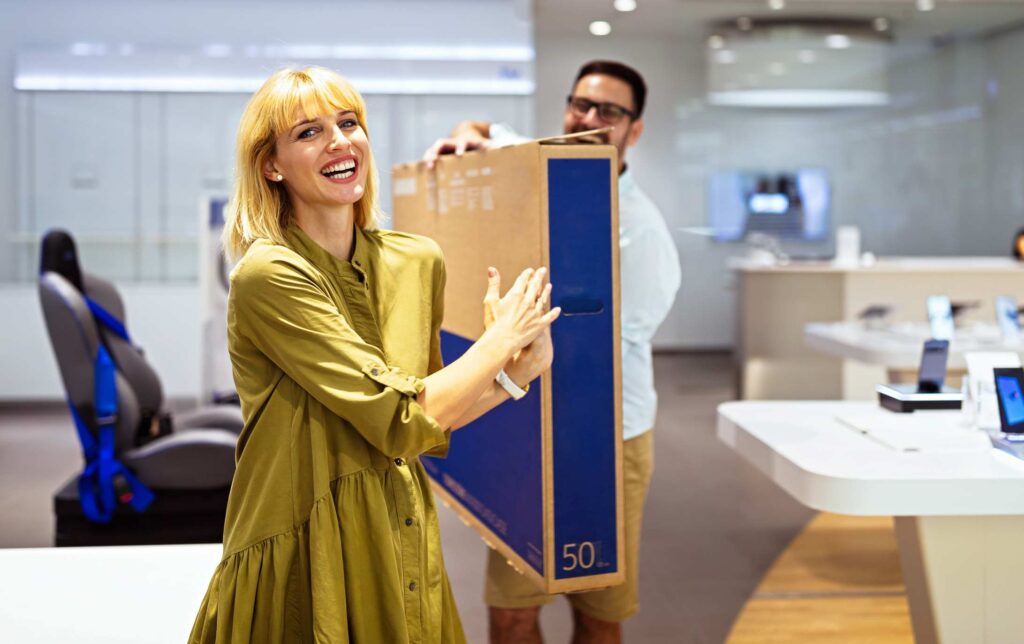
(506, 588)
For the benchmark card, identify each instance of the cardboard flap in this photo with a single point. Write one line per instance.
(590, 136)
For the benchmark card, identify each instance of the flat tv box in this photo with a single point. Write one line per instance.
(906, 398)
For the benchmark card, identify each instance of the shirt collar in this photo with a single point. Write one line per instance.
(304, 245)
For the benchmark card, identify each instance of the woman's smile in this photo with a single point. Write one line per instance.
(343, 169)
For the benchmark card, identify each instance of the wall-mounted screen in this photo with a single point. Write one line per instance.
(785, 203)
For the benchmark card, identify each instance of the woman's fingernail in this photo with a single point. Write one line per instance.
(491, 271)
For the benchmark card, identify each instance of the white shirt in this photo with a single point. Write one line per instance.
(649, 277)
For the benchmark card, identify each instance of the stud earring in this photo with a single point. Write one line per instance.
(279, 177)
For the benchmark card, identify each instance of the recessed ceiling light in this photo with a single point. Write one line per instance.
(600, 28)
(880, 24)
(925, 5)
(744, 23)
(806, 56)
(715, 41)
(725, 57)
(776, 5)
(624, 6)
(837, 41)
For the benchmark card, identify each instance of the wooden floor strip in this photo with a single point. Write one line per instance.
(838, 581)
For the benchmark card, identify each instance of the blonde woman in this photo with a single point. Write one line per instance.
(331, 533)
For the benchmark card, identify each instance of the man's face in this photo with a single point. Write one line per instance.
(600, 88)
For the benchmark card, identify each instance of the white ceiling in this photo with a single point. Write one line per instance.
(693, 18)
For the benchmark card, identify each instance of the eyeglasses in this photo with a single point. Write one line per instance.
(607, 112)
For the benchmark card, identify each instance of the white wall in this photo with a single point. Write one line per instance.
(939, 172)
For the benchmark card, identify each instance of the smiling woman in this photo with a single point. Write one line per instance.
(331, 533)
(281, 119)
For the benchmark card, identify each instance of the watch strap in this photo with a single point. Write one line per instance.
(512, 388)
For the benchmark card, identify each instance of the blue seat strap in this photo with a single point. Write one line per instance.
(107, 319)
(98, 483)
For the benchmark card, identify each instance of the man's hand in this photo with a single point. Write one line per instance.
(466, 137)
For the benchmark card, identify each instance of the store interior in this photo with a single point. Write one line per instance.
(840, 179)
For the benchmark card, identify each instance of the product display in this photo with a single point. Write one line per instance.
(930, 391)
(541, 477)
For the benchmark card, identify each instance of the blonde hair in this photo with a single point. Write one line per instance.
(259, 208)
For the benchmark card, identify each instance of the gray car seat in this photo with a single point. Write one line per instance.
(85, 320)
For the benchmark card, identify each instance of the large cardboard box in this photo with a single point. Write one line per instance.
(539, 478)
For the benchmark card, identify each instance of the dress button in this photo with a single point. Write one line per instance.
(399, 461)
(374, 372)
(412, 585)
(408, 522)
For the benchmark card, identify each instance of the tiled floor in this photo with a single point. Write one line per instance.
(713, 525)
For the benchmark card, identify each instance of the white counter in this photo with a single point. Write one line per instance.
(898, 347)
(103, 595)
(776, 303)
(959, 504)
(814, 451)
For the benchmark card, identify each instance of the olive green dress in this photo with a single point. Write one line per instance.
(331, 532)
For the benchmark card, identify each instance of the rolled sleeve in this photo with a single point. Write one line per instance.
(289, 317)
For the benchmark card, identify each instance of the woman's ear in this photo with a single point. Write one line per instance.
(271, 172)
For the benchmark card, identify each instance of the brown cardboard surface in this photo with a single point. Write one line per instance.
(489, 208)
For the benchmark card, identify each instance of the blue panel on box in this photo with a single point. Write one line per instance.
(583, 374)
(506, 495)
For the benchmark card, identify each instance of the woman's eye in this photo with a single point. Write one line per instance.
(348, 124)
(308, 132)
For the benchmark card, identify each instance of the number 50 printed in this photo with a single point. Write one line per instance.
(578, 555)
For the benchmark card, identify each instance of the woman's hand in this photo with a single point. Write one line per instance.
(532, 361)
(522, 315)
(536, 357)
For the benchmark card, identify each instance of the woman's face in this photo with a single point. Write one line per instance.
(323, 160)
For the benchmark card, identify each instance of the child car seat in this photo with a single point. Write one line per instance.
(133, 447)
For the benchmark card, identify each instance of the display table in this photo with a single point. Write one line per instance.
(775, 303)
(108, 595)
(958, 504)
(897, 347)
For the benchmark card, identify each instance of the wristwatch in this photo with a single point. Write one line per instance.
(512, 388)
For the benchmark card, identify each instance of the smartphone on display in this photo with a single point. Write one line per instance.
(931, 375)
(1010, 394)
(1008, 317)
(940, 317)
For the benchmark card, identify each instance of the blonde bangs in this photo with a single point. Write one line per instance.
(259, 209)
